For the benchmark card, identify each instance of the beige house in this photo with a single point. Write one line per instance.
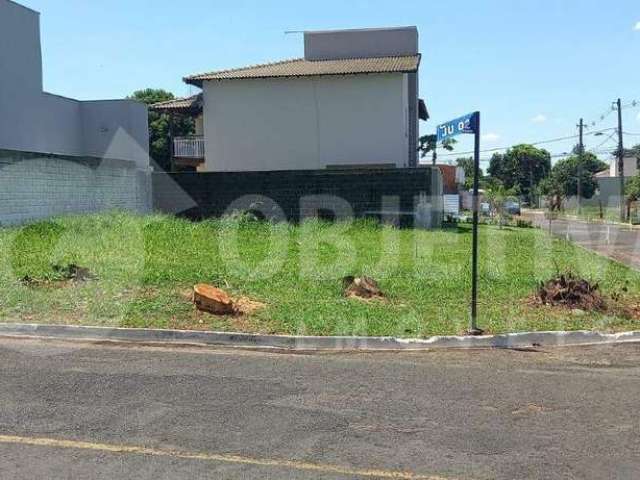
(350, 102)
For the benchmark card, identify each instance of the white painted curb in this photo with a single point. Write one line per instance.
(286, 342)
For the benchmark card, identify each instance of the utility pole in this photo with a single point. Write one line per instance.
(623, 213)
(580, 160)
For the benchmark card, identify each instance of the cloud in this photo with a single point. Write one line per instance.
(491, 137)
(540, 118)
(637, 27)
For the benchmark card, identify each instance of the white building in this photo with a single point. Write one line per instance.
(630, 167)
(352, 101)
(32, 120)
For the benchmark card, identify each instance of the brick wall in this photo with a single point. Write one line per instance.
(35, 186)
(291, 195)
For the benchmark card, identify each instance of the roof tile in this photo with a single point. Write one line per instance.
(189, 103)
(305, 68)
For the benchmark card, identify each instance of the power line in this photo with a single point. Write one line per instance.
(601, 117)
(540, 142)
(610, 110)
(610, 137)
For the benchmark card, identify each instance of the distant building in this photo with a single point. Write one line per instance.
(609, 180)
(453, 178)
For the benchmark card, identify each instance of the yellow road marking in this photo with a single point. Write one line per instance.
(214, 457)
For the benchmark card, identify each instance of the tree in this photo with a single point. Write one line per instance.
(159, 149)
(522, 167)
(466, 163)
(429, 143)
(497, 195)
(567, 171)
(554, 192)
(632, 192)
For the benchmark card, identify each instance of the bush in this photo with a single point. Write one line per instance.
(520, 223)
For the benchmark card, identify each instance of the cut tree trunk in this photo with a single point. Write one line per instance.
(210, 299)
(361, 287)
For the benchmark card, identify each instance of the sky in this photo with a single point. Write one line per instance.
(531, 67)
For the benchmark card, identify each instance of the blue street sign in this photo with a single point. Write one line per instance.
(459, 126)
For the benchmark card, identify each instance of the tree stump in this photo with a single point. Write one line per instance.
(212, 300)
(361, 287)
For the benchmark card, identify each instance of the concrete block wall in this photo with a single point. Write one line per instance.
(35, 186)
(295, 194)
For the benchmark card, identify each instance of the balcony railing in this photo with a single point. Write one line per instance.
(189, 147)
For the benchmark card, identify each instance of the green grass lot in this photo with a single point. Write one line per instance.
(146, 267)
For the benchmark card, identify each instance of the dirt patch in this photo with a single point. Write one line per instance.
(247, 306)
(60, 277)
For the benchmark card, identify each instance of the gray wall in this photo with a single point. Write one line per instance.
(360, 43)
(294, 195)
(115, 129)
(35, 121)
(35, 186)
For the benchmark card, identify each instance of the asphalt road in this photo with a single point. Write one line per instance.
(71, 411)
(622, 243)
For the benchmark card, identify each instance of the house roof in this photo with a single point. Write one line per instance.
(603, 173)
(177, 105)
(308, 68)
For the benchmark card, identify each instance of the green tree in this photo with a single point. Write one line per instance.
(159, 125)
(632, 192)
(429, 144)
(497, 195)
(522, 167)
(466, 163)
(566, 173)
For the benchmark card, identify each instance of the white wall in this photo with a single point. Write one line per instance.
(305, 123)
(630, 167)
(35, 121)
(360, 43)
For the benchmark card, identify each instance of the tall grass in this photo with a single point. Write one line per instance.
(146, 266)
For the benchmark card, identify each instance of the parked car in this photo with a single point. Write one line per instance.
(512, 207)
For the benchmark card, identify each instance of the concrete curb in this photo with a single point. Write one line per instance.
(301, 343)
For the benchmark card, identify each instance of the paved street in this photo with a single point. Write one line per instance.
(108, 412)
(619, 242)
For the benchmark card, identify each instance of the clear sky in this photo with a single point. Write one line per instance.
(532, 67)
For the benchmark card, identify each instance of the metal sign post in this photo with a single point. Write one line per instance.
(466, 125)
(474, 330)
